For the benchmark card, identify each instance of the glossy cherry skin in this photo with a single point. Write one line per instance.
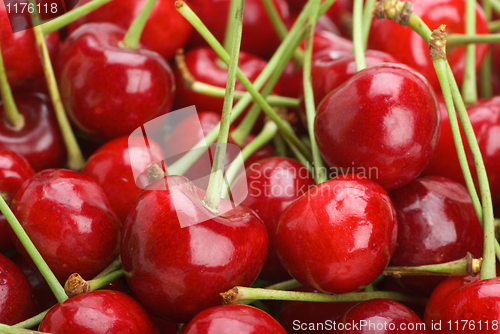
(176, 271)
(256, 23)
(165, 31)
(411, 49)
(383, 123)
(297, 316)
(384, 316)
(70, 221)
(16, 295)
(437, 223)
(339, 236)
(232, 319)
(98, 312)
(40, 140)
(14, 170)
(20, 52)
(110, 91)
(112, 167)
(476, 302)
(485, 120)
(273, 184)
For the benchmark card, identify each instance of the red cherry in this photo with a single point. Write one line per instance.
(339, 236)
(341, 14)
(109, 91)
(98, 312)
(14, 170)
(69, 220)
(382, 123)
(112, 166)
(40, 140)
(232, 319)
(178, 256)
(411, 49)
(165, 31)
(380, 316)
(437, 224)
(256, 23)
(16, 295)
(273, 184)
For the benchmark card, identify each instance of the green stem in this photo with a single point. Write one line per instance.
(357, 35)
(115, 265)
(15, 330)
(455, 40)
(464, 266)
(469, 85)
(101, 282)
(75, 156)
(12, 115)
(279, 146)
(239, 294)
(494, 25)
(228, 37)
(486, 85)
(33, 321)
(71, 16)
(284, 286)
(215, 184)
(40, 263)
(495, 5)
(319, 169)
(134, 33)
(367, 21)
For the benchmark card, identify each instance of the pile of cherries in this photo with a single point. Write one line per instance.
(393, 194)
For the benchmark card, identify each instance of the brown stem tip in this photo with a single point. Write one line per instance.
(179, 4)
(473, 265)
(155, 172)
(394, 10)
(76, 285)
(230, 296)
(5, 197)
(437, 43)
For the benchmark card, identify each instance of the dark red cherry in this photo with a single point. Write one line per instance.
(109, 91)
(113, 167)
(14, 170)
(339, 236)
(341, 14)
(70, 221)
(411, 49)
(40, 140)
(98, 312)
(232, 319)
(273, 184)
(437, 224)
(256, 24)
(380, 316)
(382, 123)
(178, 256)
(165, 31)
(16, 295)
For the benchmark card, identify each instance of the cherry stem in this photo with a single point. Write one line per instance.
(357, 35)
(228, 37)
(283, 286)
(183, 164)
(98, 283)
(75, 156)
(33, 321)
(40, 263)
(492, 4)
(454, 40)
(367, 21)
(469, 90)
(319, 168)
(215, 184)
(279, 146)
(71, 16)
(264, 137)
(239, 294)
(494, 25)
(114, 266)
(13, 117)
(465, 266)
(486, 85)
(134, 33)
(15, 330)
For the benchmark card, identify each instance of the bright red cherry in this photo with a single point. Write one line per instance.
(112, 166)
(98, 312)
(70, 221)
(40, 140)
(339, 236)
(109, 91)
(16, 295)
(411, 49)
(256, 24)
(437, 223)
(382, 123)
(165, 31)
(14, 170)
(232, 319)
(178, 256)
(380, 316)
(273, 184)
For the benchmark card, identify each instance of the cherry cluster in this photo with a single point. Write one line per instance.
(366, 204)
